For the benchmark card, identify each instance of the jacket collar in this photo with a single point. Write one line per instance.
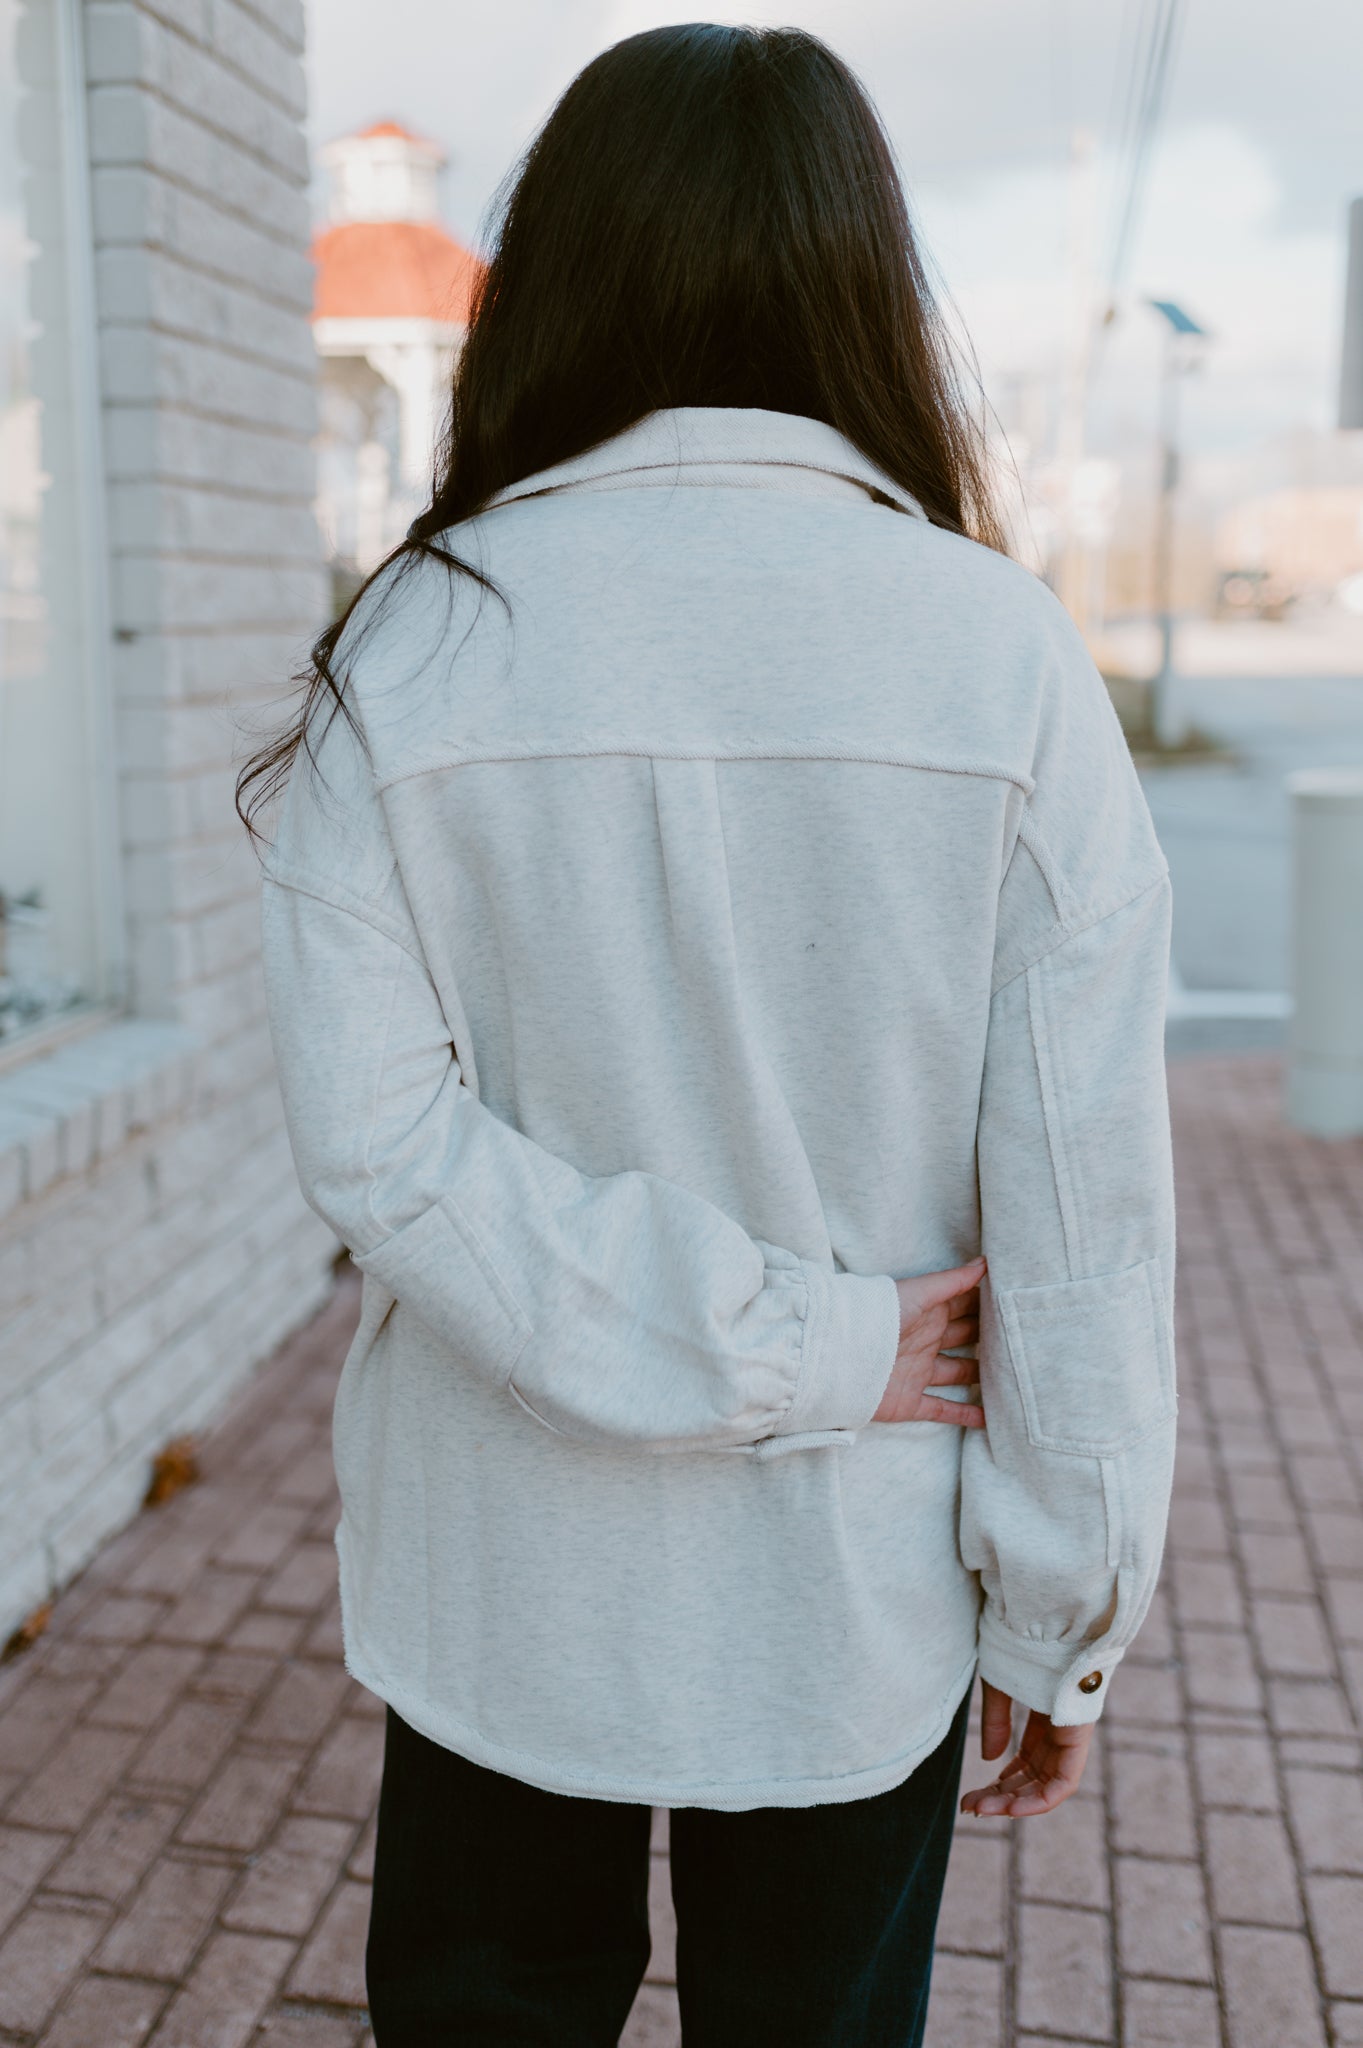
(669, 442)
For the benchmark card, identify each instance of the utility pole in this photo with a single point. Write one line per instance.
(1071, 581)
(1325, 1043)
(1180, 331)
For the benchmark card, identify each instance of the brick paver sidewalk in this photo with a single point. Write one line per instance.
(187, 1776)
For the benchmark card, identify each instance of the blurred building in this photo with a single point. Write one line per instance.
(160, 569)
(391, 307)
(1290, 544)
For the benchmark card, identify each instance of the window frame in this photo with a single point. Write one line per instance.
(97, 793)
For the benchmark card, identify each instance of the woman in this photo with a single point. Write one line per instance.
(710, 905)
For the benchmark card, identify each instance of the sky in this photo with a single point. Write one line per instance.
(1244, 224)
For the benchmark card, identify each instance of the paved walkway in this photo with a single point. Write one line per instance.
(187, 1776)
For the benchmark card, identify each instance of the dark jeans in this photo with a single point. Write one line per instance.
(507, 1915)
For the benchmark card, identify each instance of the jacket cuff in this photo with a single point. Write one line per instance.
(1049, 1677)
(851, 1341)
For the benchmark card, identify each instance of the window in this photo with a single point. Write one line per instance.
(55, 755)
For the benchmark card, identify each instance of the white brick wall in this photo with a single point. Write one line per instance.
(153, 1245)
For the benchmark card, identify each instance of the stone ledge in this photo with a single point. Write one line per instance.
(65, 1109)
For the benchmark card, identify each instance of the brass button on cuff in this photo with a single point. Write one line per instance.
(1092, 1682)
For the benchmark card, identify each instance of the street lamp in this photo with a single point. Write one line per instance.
(1351, 367)
(1181, 336)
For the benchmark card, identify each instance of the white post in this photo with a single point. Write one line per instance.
(1325, 1066)
(1169, 726)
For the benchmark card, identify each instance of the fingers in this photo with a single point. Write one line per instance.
(1038, 1797)
(967, 1304)
(996, 1720)
(1017, 1798)
(954, 1372)
(1040, 1777)
(932, 1290)
(964, 1414)
(1016, 1785)
(961, 1330)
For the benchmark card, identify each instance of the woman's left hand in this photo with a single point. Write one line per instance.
(1047, 1767)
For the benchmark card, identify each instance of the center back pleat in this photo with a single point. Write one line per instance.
(782, 1199)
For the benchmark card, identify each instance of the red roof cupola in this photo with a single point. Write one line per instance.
(384, 254)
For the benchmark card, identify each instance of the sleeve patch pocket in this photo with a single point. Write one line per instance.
(1092, 1358)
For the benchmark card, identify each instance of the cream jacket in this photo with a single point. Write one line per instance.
(764, 906)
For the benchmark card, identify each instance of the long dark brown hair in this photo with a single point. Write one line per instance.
(710, 216)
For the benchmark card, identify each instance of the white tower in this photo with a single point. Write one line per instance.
(390, 309)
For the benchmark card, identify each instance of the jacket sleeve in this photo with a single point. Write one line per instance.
(1066, 1493)
(620, 1308)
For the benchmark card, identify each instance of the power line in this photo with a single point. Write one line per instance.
(1138, 21)
(1157, 29)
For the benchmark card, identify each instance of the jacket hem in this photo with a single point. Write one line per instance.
(736, 1797)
